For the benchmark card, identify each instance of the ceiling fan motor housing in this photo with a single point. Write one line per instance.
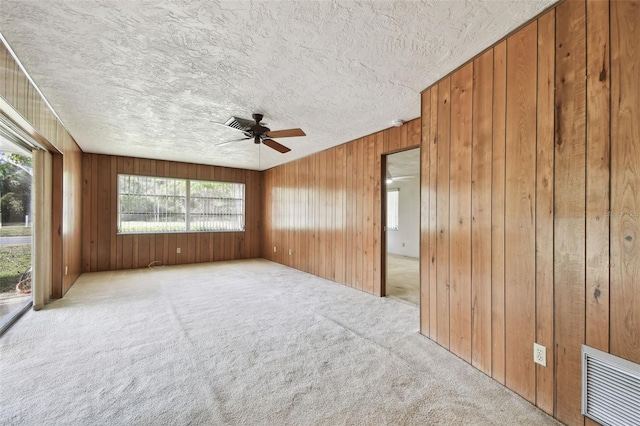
(256, 129)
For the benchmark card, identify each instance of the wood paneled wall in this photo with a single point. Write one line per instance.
(105, 250)
(530, 211)
(322, 213)
(38, 120)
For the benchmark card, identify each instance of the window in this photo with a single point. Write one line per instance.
(393, 208)
(151, 204)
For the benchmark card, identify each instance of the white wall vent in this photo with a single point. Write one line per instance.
(610, 388)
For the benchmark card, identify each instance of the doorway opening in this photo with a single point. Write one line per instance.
(16, 230)
(402, 230)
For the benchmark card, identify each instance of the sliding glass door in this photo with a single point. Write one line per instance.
(16, 230)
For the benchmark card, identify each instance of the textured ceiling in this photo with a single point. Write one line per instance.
(404, 164)
(147, 78)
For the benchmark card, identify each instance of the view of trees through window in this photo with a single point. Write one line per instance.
(15, 231)
(151, 204)
(15, 188)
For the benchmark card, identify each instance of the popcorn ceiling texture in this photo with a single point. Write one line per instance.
(147, 78)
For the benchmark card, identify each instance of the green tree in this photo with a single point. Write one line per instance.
(15, 187)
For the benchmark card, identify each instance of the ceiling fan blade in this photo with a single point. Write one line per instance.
(235, 140)
(285, 133)
(275, 145)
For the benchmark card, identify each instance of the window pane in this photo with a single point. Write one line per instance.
(216, 206)
(150, 204)
(393, 207)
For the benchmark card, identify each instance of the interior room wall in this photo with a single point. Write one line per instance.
(103, 249)
(39, 120)
(405, 241)
(529, 211)
(531, 194)
(323, 213)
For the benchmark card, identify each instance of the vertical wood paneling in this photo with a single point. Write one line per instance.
(359, 217)
(569, 186)
(433, 214)
(307, 215)
(330, 218)
(414, 133)
(182, 244)
(113, 228)
(94, 214)
(323, 215)
(57, 238)
(569, 213)
(127, 252)
(103, 207)
(481, 212)
(625, 180)
(105, 250)
(442, 266)
(339, 249)
(425, 305)
(403, 133)
(144, 247)
(171, 242)
(394, 142)
(540, 201)
(267, 219)
(327, 207)
(86, 216)
(460, 212)
(349, 264)
(368, 213)
(498, 179)
(315, 208)
(520, 210)
(303, 173)
(544, 209)
(297, 193)
(377, 215)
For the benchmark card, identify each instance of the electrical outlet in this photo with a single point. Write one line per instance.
(178, 250)
(289, 252)
(274, 249)
(66, 270)
(540, 354)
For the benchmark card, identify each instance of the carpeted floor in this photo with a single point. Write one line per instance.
(403, 278)
(241, 343)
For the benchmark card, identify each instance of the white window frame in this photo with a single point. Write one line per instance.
(188, 225)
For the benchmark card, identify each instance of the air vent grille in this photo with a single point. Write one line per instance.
(238, 123)
(610, 388)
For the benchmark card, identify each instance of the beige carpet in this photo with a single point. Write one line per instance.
(238, 343)
(403, 278)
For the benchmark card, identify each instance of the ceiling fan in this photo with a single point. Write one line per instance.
(259, 132)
